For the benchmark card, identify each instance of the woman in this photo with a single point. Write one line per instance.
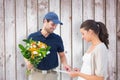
(95, 60)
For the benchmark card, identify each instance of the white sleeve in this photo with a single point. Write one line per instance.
(101, 62)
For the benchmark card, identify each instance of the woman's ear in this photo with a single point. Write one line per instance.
(90, 31)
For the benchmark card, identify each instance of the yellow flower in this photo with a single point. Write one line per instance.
(41, 45)
(34, 54)
(32, 49)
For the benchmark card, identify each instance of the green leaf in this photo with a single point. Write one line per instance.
(48, 48)
(42, 49)
(25, 40)
(21, 47)
(27, 54)
(30, 40)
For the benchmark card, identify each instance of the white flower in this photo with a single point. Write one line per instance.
(38, 42)
(28, 44)
(35, 52)
(34, 46)
(39, 54)
(48, 52)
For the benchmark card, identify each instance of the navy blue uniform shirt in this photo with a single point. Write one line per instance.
(56, 43)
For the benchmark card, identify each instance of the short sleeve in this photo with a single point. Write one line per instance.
(29, 36)
(60, 45)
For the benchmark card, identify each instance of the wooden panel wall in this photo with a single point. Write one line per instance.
(10, 47)
(118, 40)
(19, 18)
(21, 32)
(111, 26)
(66, 19)
(2, 42)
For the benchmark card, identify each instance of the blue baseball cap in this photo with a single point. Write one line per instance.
(53, 17)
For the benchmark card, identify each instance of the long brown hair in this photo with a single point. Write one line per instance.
(99, 28)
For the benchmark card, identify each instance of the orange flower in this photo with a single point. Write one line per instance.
(32, 49)
(33, 43)
(34, 54)
(42, 45)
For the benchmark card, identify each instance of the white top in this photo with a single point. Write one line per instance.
(86, 66)
(98, 62)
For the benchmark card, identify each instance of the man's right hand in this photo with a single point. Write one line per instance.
(28, 64)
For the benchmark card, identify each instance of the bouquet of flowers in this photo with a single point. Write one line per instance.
(34, 51)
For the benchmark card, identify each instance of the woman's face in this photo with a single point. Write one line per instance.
(86, 35)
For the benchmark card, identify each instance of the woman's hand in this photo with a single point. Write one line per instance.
(74, 73)
(76, 69)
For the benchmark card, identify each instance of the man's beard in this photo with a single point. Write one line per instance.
(49, 31)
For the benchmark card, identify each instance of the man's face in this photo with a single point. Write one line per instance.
(50, 26)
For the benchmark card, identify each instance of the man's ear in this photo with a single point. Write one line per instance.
(44, 20)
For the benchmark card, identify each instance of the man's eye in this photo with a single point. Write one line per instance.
(53, 24)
